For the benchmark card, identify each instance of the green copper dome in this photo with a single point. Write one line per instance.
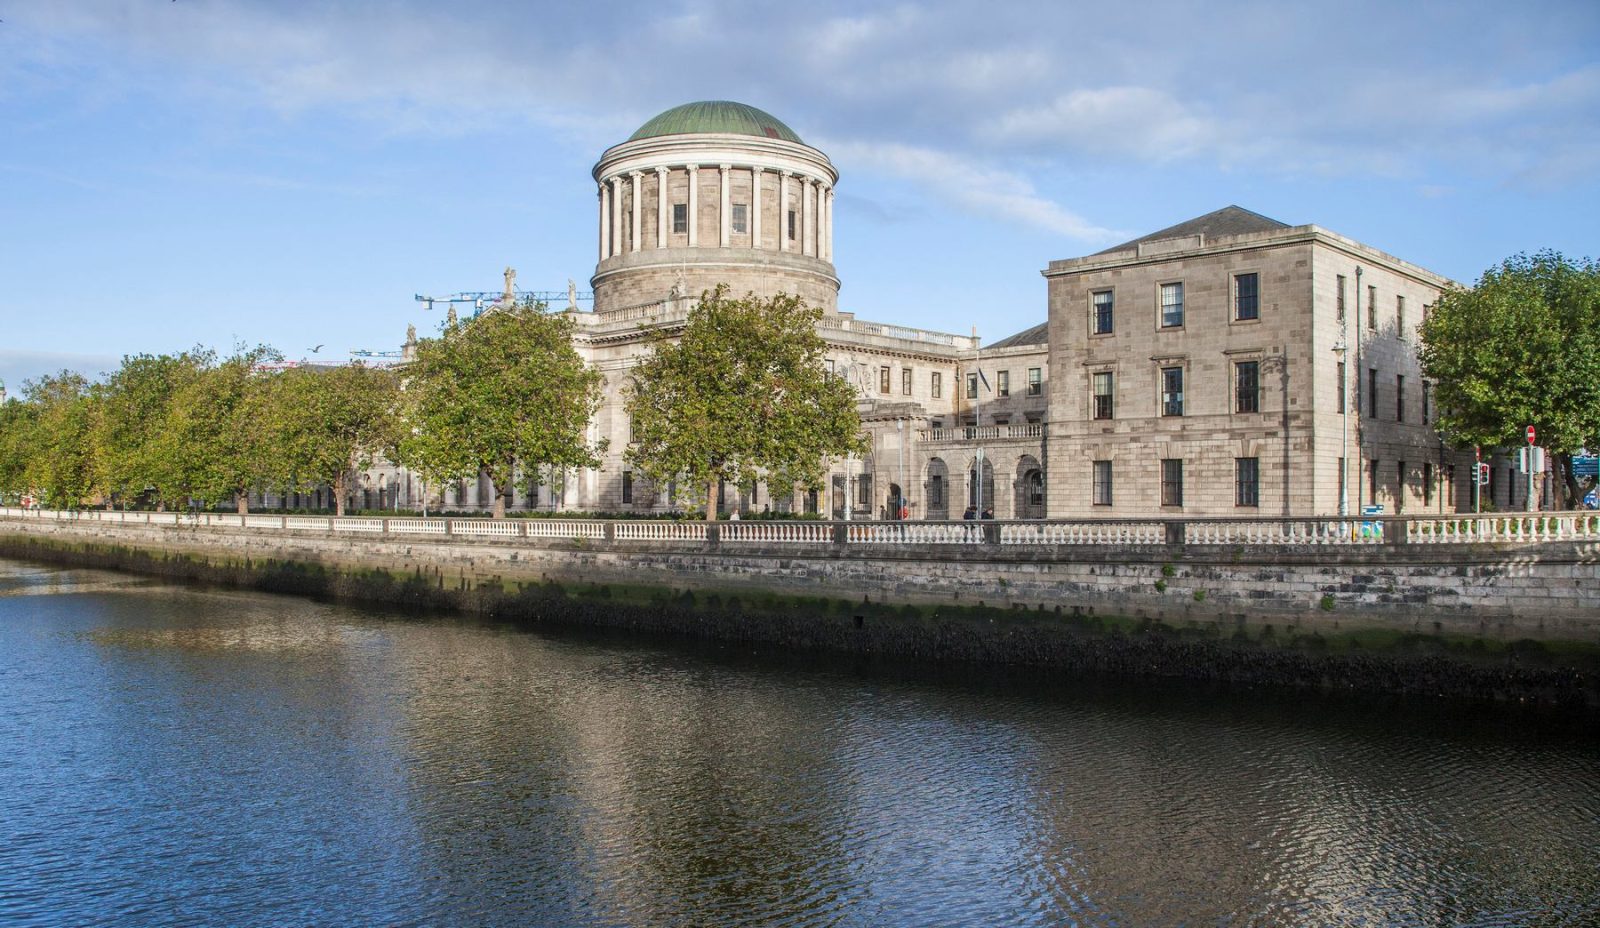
(716, 116)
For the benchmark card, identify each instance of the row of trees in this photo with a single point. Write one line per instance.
(1520, 348)
(737, 394)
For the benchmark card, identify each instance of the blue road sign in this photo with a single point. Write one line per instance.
(1586, 466)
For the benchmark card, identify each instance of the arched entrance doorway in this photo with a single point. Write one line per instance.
(1029, 502)
(936, 490)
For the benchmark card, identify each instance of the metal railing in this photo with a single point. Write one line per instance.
(1500, 529)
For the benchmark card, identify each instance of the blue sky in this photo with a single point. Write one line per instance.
(217, 171)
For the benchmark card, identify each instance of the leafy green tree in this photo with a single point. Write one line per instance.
(18, 424)
(1520, 348)
(214, 442)
(741, 395)
(324, 424)
(136, 405)
(499, 391)
(62, 461)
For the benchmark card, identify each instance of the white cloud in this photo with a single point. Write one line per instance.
(1139, 121)
(997, 194)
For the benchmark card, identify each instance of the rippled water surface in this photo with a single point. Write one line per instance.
(173, 756)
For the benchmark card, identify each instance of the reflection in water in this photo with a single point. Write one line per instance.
(173, 756)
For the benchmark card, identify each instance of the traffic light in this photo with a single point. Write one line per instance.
(1483, 475)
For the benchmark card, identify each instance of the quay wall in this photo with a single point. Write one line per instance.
(1466, 616)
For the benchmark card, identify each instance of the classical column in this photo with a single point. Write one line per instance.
(604, 210)
(661, 207)
(783, 210)
(807, 217)
(755, 207)
(638, 236)
(726, 225)
(616, 215)
(694, 205)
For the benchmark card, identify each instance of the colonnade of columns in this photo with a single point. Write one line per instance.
(814, 210)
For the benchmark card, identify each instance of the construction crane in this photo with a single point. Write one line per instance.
(479, 299)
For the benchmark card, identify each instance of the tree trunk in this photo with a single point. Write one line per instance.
(499, 511)
(1574, 492)
(711, 501)
(338, 493)
(241, 502)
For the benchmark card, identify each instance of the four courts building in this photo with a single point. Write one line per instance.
(1230, 365)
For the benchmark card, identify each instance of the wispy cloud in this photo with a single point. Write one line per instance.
(986, 191)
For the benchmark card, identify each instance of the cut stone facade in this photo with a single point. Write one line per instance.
(1063, 420)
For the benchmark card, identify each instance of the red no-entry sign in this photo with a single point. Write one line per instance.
(1530, 434)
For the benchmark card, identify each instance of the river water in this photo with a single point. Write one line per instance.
(182, 756)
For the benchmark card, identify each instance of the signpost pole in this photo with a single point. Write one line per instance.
(1528, 504)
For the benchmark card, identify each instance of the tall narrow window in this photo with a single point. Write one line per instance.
(1102, 395)
(883, 379)
(1399, 397)
(680, 218)
(1172, 391)
(791, 226)
(831, 372)
(1247, 386)
(1372, 392)
(1002, 383)
(1035, 381)
(1247, 481)
(1400, 315)
(1399, 486)
(1246, 296)
(1426, 403)
(1172, 481)
(1171, 305)
(1427, 484)
(1344, 388)
(905, 381)
(627, 486)
(1372, 308)
(741, 218)
(1338, 299)
(1104, 303)
(1372, 482)
(1102, 483)
(936, 385)
(972, 386)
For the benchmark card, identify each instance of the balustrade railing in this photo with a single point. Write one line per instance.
(1498, 529)
(1028, 430)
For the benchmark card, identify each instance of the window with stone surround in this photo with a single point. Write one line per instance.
(1172, 391)
(741, 218)
(905, 381)
(1035, 381)
(972, 386)
(1339, 299)
(1246, 297)
(1399, 397)
(627, 486)
(1372, 392)
(1171, 305)
(1172, 481)
(1399, 487)
(1400, 315)
(1247, 481)
(792, 234)
(1344, 388)
(1002, 383)
(1102, 395)
(680, 218)
(1102, 483)
(1104, 305)
(1247, 386)
(1372, 308)
(883, 379)
(1427, 483)
(936, 385)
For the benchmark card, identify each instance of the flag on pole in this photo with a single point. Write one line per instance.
(985, 381)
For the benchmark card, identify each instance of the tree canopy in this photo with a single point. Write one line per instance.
(497, 392)
(740, 395)
(1520, 348)
(322, 424)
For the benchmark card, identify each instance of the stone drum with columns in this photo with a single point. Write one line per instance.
(714, 193)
